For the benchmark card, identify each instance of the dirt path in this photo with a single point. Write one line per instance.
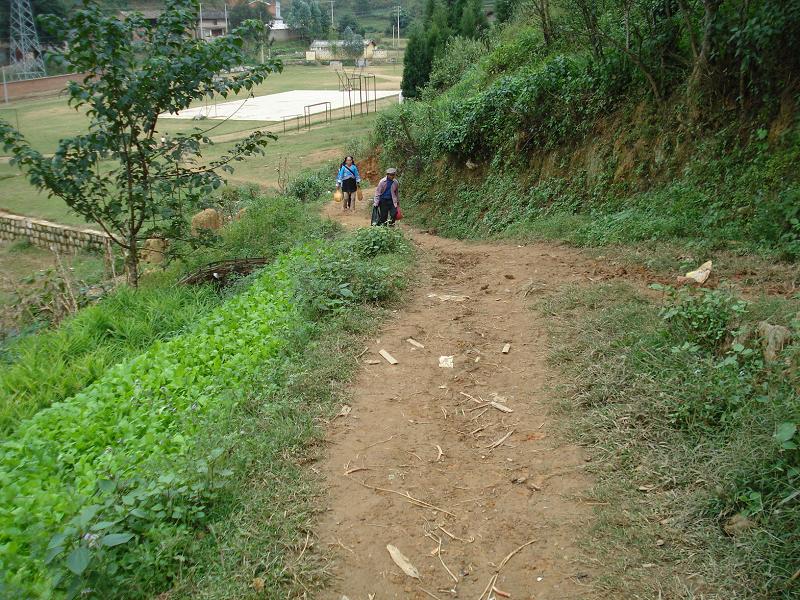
(497, 479)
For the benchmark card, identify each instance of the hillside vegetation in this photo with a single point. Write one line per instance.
(644, 125)
(613, 122)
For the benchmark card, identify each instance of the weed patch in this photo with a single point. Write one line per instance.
(694, 436)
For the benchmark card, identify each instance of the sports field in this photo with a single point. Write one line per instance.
(44, 121)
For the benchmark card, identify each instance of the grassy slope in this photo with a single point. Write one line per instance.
(692, 480)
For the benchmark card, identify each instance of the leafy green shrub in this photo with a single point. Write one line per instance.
(704, 317)
(337, 280)
(309, 186)
(271, 226)
(371, 241)
(460, 55)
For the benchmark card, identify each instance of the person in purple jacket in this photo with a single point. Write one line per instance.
(387, 199)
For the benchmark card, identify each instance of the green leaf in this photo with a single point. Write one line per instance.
(57, 540)
(106, 485)
(115, 539)
(785, 432)
(52, 553)
(78, 560)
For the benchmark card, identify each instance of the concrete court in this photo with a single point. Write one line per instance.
(275, 107)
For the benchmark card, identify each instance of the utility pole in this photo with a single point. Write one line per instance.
(201, 21)
(398, 25)
(25, 51)
(333, 25)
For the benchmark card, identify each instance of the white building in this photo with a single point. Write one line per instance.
(330, 50)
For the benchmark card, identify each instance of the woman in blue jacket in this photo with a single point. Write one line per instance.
(348, 181)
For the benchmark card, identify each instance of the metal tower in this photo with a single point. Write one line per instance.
(26, 52)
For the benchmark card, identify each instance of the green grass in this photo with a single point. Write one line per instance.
(682, 440)
(53, 365)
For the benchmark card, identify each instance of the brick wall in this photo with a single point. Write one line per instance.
(37, 87)
(48, 235)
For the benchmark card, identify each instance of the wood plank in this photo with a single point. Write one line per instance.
(389, 358)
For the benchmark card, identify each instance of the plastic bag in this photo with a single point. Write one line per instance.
(337, 195)
(398, 214)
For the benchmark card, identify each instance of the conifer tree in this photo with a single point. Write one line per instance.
(473, 20)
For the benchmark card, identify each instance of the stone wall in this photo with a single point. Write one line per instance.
(48, 235)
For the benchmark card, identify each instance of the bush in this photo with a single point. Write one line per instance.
(309, 186)
(369, 242)
(271, 226)
(703, 317)
(460, 55)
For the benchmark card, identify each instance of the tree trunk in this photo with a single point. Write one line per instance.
(132, 264)
(700, 68)
(543, 8)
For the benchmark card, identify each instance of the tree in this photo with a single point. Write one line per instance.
(300, 19)
(391, 26)
(119, 174)
(309, 19)
(473, 20)
(504, 9)
(349, 20)
(320, 23)
(426, 42)
(414, 78)
(352, 44)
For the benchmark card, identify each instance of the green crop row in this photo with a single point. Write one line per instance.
(101, 493)
(39, 370)
(53, 365)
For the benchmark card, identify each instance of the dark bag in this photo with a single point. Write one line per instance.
(376, 216)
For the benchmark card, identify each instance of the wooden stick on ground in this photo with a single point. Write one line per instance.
(432, 595)
(471, 397)
(500, 441)
(509, 557)
(488, 587)
(408, 497)
(455, 537)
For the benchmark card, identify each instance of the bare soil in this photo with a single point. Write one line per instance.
(480, 482)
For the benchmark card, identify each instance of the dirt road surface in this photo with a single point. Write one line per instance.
(426, 463)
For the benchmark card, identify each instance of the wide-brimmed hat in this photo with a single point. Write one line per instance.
(391, 171)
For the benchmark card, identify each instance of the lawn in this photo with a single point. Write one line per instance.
(45, 121)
